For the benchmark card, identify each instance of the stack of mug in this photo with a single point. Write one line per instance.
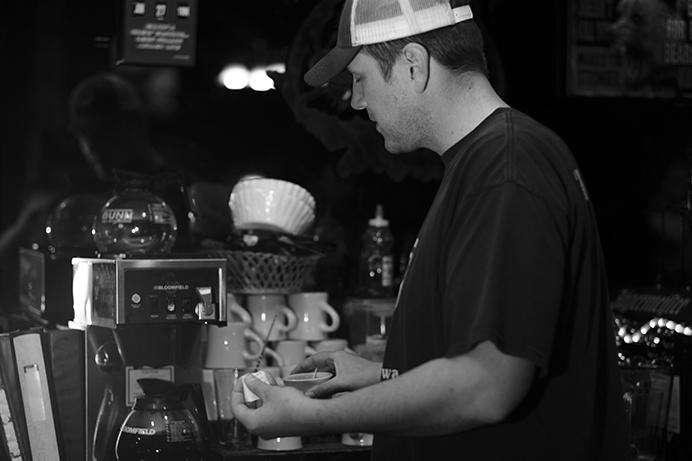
(301, 326)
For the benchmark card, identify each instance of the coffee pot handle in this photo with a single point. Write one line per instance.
(193, 400)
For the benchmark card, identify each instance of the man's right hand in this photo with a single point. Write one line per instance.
(351, 372)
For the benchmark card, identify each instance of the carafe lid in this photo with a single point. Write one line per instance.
(158, 395)
(159, 387)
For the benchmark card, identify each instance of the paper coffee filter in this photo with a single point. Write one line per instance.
(263, 376)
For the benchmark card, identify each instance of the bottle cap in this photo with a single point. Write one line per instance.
(378, 220)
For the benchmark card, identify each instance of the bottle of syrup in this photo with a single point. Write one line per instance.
(376, 263)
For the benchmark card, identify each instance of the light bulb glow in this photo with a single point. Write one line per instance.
(238, 77)
(260, 81)
(234, 77)
(278, 67)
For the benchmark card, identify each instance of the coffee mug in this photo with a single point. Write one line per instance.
(312, 311)
(264, 308)
(307, 380)
(331, 345)
(357, 439)
(270, 358)
(229, 346)
(293, 351)
(235, 312)
(280, 443)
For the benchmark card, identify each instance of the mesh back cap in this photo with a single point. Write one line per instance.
(365, 22)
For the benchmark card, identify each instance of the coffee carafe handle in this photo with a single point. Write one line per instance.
(193, 399)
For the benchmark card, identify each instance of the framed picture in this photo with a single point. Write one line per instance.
(155, 32)
(629, 48)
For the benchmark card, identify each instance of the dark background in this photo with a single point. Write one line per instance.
(633, 152)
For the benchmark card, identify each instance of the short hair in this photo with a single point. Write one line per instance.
(458, 47)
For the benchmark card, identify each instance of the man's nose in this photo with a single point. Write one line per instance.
(357, 100)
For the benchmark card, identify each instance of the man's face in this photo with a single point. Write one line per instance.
(388, 103)
(641, 25)
(639, 34)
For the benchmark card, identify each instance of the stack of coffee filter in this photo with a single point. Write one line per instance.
(272, 204)
(269, 250)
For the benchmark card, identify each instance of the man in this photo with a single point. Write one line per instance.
(501, 345)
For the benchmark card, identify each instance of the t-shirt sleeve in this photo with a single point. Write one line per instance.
(504, 273)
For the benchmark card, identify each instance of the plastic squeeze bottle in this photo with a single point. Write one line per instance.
(376, 264)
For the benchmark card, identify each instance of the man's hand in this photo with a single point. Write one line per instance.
(278, 410)
(351, 372)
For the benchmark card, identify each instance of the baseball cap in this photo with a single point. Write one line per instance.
(364, 22)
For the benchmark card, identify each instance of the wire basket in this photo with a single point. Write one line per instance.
(254, 272)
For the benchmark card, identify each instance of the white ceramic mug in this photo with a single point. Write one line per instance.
(228, 347)
(357, 439)
(312, 311)
(280, 443)
(293, 351)
(235, 312)
(263, 309)
(275, 359)
(331, 345)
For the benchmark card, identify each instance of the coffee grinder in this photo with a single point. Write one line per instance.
(143, 317)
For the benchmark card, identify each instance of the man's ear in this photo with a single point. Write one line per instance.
(417, 62)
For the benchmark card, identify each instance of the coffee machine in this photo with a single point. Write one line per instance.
(143, 318)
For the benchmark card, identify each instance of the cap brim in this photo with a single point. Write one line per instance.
(331, 65)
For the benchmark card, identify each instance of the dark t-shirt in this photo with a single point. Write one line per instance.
(509, 252)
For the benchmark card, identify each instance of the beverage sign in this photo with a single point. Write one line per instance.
(629, 48)
(158, 32)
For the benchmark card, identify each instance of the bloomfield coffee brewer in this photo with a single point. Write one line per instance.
(143, 319)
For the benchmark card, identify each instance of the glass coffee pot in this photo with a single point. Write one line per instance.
(135, 221)
(160, 426)
(69, 225)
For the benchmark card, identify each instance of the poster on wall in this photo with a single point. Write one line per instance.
(155, 32)
(629, 48)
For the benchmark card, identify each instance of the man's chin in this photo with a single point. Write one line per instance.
(394, 148)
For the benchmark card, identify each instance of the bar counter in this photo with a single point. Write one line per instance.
(315, 448)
